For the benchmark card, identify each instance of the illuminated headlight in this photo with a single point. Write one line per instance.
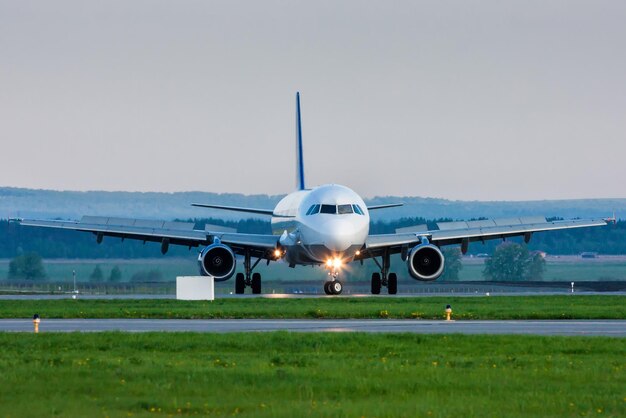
(277, 253)
(335, 263)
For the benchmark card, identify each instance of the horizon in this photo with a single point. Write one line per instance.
(278, 195)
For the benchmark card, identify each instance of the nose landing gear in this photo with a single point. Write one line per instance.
(334, 286)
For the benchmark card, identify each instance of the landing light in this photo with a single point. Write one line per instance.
(277, 253)
(335, 263)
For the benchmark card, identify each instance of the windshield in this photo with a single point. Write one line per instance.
(335, 209)
(332, 209)
(343, 209)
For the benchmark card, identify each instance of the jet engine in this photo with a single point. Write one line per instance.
(218, 261)
(425, 262)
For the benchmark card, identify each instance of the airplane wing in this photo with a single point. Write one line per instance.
(167, 233)
(463, 233)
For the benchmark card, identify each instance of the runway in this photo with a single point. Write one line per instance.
(46, 296)
(610, 328)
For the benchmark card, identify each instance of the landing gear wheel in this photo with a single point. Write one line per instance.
(336, 287)
(327, 288)
(392, 284)
(240, 284)
(376, 284)
(256, 283)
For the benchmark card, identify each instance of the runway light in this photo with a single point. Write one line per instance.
(36, 322)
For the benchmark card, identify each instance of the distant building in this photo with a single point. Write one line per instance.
(589, 255)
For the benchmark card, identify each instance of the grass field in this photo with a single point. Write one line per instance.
(288, 375)
(501, 307)
(566, 268)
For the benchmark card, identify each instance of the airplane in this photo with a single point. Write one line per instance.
(327, 225)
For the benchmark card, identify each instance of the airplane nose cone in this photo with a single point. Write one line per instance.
(339, 235)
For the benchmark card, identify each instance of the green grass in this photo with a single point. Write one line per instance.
(283, 374)
(578, 270)
(61, 270)
(501, 307)
(567, 268)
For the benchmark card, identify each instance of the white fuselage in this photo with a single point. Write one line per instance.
(327, 222)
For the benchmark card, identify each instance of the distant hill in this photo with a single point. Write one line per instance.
(72, 205)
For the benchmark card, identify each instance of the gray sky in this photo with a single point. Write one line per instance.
(484, 100)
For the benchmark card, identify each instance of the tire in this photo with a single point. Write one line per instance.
(336, 287)
(256, 283)
(327, 288)
(375, 283)
(392, 284)
(240, 284)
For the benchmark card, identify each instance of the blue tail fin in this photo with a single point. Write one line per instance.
(299, 155)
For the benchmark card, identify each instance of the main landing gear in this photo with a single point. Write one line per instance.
(384, 278)
(250, 279)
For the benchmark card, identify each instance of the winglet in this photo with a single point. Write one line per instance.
(299, 155)
(612, 219)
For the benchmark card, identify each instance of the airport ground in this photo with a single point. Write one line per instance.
(320, 374)
(558, 268)
(563, 327)
(464, 308)
(395, 374)
(607, 273)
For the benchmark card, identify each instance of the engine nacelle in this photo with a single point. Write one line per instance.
(218, 261)
(425, 262)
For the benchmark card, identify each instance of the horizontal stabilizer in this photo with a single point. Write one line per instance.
(236, 209)
(391, 205)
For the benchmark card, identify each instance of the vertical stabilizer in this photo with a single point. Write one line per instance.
(299, 155)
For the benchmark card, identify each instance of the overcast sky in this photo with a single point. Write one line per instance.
(484, 100)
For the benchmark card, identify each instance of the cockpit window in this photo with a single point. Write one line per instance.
(343, 209)
(332, 209)
(357, 209)
(313, 209)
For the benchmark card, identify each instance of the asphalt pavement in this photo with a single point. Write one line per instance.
(611, 328)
